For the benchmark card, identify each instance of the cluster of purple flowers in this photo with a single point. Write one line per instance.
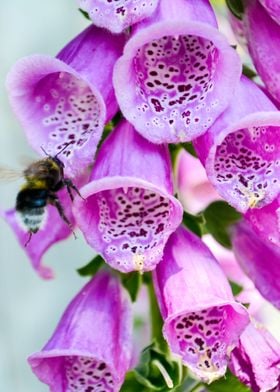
(175, 78)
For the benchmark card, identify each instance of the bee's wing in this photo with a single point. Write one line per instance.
(8, 174)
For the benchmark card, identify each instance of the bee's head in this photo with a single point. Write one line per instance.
(58, 162)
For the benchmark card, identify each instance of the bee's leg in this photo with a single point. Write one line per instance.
(29, 238)
(54, 200)
(70, 186)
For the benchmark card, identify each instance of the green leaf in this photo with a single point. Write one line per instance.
(188, 146)
(131, 384)
(193, 223)
(235, 287)
(236, 7)
(247, 71)
(84, 13)
(132, 282)
(92, 267)
(229, 383)
(156, 371)
(218, 217)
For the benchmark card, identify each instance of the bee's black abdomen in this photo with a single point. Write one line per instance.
(31, 198)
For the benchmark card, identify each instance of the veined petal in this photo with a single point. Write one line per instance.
(91, 347)
(194, 189)
(53, 230)
(202, 322)
(266, 222)
(63, 102)
(256, 359)
(117, 15)
(177, 73)
(260, 261)
(273, 8)
(241, 150)
(129, 211)
(263, 36)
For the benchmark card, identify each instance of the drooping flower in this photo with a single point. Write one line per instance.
(256, 359)
(260, 261)
(90, 349)
(263, 37)
(273, 8)
(53, 230)
(177, 73)
(194, 189)
(266, 222)
(202, 321)
(249, 294)
(129, 211)
(117, 15)
(65, 101)
(240, 151)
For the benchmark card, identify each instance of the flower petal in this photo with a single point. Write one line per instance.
(129, 211)
(202, 322)
(256, 359)
(64, 102)
(177, 73)
(117, 15)
(263, 36)
(91, 346)
(260, 261)
(241, 150)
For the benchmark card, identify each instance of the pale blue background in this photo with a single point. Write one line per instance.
(29, 307)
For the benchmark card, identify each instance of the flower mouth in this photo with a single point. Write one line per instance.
(247, 166)
(174, 77)
(132, 226)
(202, 341)
(68, 111)
(87, 374)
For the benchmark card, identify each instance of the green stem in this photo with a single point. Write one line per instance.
(155, 316)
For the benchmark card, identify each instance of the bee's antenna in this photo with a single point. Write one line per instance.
(44, 151)
(64, 148)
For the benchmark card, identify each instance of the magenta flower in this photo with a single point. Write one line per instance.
(202, 321)
(91, 348)
(259, 260)
(129, 211)
(117, 15)
(194, 189)
(177, 73)
(266, 222)
(263, 36)
(241, 150)
(249, 294)
(273, 8)
(256, 360)
(53, 230)
(66, 100)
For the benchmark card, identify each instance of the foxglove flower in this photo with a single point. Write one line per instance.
(202, 321)
(177, 73)
(129, 211)
(266, 222)
(53, 230)
(256, 360)
(65, 101)
(259, 260)
(263, 36)
(90, 349)
(194, 189)
(249, 294)
(117, 15)
(241, 150)
(273, 8)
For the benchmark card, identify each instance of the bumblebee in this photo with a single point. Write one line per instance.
(44, 178)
